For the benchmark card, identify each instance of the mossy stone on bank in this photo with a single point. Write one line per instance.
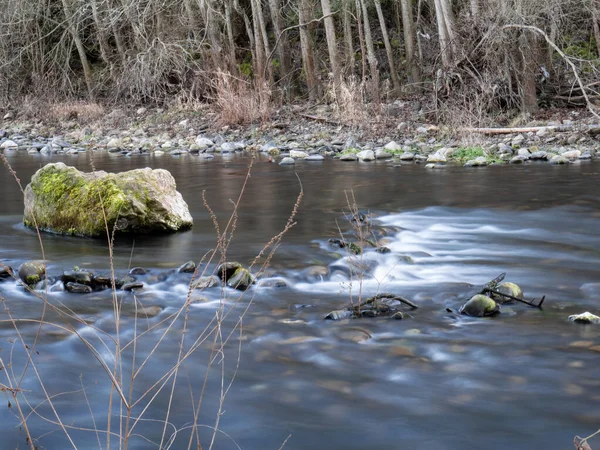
(63, 200)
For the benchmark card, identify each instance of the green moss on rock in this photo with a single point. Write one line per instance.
(63, 200)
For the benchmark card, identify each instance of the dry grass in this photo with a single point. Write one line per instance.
(349, 103)
(241, 102)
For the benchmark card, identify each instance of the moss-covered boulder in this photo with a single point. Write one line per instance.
(63, 200)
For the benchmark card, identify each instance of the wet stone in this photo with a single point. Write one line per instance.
(207, 282)
(240, 280)
(5, 272)
(480, 306)
(138, 271)
(339, 315)
(586, 317)
(188, 267)
(226, 270)
(77, 276)
(78, 288)
(31, 272)
(133, 285)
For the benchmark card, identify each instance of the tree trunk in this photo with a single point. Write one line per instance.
(349, 50)
(527, 45)
(361, 40)
(331, 44)
(388, 47)
(264, 35)
(409, 41)
(230, 39)
(596, 24)
(283, 51)
(444, 35)
(87, 71)
(259, 49)
(308, 62)
(374, 71)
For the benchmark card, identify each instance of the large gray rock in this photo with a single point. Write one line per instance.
(64, 200)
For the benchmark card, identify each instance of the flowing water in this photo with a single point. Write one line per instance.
(527, 378)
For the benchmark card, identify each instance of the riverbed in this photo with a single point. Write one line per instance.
(526, 378)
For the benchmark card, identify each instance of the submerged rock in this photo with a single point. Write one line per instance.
(64, 200)
(138, 271)
(241, 279)
(206, 282)
(480, 305)
(586, 317)
(339, 314)
(32, 272)
(78, 288)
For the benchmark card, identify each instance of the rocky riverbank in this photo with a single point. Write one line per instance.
(293, 135)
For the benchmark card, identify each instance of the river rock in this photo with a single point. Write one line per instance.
(226, 270)
(524, 153)
(287, 161)
(77, 276)
(339, 314)
(437, 157)
(517, 141)
(540, 154)
(188, 267)
(132, 285)
(5, 272)
(32, 272)
(9, 144)
(477, 162)
(315, 158)
(572, 154)
(586, 317)
(240, 280)
(203, 143)
(67, 201)
(586, 155)
(392, 146)
(480, 305)
(138, 271)
(206, 282)
(518, 159)
(276, 282)
(407, 156)
(559, 159)
(78, 288)
(366, 155)
(348, 157)
(507, 288)
(298, 154)
(382, 154)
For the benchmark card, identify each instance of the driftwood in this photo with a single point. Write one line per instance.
(319, 119)
(374, 299)
(490, 288)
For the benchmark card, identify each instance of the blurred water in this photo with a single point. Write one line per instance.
(524, 379)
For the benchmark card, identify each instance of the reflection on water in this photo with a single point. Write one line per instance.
(524, 379)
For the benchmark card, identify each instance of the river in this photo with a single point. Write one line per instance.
(526, 378)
